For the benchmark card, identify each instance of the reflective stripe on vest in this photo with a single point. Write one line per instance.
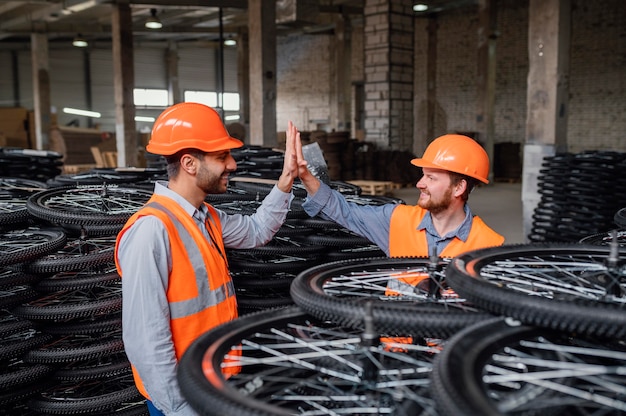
(184, 308)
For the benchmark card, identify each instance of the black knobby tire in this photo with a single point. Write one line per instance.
(418, 315)
(100, 396)
(9, 278)
(566, 287)
(81, 280)
(77, 254)
(70, 348)
(283, 246)
(13, 195)
(23, 245)
(114, 365)
(86, 326)
(18, 373)
(94, 205)
(15, 295)
(64, 305)
(17, 344)
(293, 363)
(502, 367)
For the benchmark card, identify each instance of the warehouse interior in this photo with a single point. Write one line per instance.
(539, 84)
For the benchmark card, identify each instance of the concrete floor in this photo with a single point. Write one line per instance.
(499, 204)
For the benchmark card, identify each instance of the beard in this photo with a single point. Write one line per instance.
(435, 206)
(209, 182)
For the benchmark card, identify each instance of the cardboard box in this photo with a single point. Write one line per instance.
(13, 127)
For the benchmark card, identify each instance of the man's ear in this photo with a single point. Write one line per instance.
(188, 164)
(460, 187)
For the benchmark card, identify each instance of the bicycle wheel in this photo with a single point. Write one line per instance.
(96, 204)
(567, 287)
(290, 363)
(27, 244)
(71, 304)
(503, 368)
(13, 195)
(77, 254)
(341, 291)
(102, 396)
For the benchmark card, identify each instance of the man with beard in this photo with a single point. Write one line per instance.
(171, 253)
(440, 224)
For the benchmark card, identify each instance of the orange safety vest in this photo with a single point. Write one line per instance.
(200, 290)
(405, 240)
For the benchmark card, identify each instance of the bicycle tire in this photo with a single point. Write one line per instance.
(77, 254)
(113, 365)
(64, 305)
(17, 344)
(309, 378)
(535, 284)
(18, 373)
(9, 278)
(94, 205)
(500, 367)
(416, 314)
(68, 398)
(71, 348)
(23, 245)
(81, 280)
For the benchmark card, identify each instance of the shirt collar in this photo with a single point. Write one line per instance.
(161, 188)
(461, 232)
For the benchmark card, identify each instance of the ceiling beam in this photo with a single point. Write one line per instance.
(236, 4)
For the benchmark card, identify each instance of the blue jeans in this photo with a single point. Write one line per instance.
(153, 410)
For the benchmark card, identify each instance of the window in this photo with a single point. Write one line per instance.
(231, 99)
(146, 97)
(202, 97)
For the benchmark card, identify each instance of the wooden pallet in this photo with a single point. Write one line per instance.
(375, 187)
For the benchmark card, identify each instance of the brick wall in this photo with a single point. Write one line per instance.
(597, 118)
(303, 81)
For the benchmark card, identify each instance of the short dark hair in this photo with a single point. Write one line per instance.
(456, 178)
(173, 161)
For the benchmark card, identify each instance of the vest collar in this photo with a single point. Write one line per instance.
(461, 232)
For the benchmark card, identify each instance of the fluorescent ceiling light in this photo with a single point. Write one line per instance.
(144, 118)
(419, 7)
(79, 112)
(79, 6)
(233, 117)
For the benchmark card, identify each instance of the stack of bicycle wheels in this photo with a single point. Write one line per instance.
(580, 194)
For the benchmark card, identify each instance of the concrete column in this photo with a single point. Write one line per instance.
(388, 46)
(123, 84)
(487, 35)
(173, 82)
(549, 36)
(262, 48)
(340, 88)
(243, 77)
(41, 89)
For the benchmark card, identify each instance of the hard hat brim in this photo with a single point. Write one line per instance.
(225, 143)
(422, 163)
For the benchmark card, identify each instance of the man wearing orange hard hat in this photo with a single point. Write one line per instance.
(441, 223)
(171, 253)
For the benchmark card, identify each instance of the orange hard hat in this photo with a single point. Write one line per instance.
(456, 153)
(189, 126)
